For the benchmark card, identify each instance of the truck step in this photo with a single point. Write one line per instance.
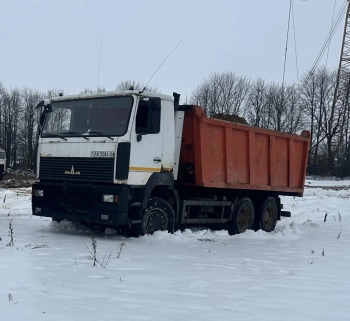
(286, 213)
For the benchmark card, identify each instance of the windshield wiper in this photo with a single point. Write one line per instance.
(98, 133)
(77, 134)
(53, 135)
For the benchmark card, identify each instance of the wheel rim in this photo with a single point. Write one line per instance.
(156, 220)
(269, 217)
(244, 218)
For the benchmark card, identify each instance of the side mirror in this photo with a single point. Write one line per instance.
(46, 104)
(139, 132)
(47, 108)
(41, 104)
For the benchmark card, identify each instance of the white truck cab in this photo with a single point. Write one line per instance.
(101, 154)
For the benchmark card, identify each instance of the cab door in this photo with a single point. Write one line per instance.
(146, 141)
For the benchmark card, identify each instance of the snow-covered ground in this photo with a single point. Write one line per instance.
(299, 272)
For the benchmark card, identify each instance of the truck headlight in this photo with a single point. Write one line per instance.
(109, 198)
(39, 192)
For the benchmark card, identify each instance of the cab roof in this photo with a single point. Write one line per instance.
(112, 94)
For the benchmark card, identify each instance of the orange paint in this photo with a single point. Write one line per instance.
(232, 155)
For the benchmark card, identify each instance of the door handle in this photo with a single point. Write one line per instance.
(157, 159)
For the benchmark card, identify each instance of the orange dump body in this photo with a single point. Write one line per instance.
(221, 154)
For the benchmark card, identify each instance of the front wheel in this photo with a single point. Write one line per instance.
(157, 216)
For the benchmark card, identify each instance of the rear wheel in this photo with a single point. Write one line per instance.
(157, 216)
(268, 214)
(243, 217)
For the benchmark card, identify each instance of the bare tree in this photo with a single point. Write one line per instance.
(92, 91)
(328, 120)
(221, 93)
(11, 112)
(256, 102)
(275, 107)
(29, 131)
(308, 96)
(127, 84)
(206, 96)
(294, 120)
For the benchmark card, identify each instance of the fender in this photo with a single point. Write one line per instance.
(161, 179)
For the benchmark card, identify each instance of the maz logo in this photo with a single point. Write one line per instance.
(72, 172)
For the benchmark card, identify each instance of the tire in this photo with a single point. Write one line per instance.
(268, 214)
(243, 217)
(157, 216)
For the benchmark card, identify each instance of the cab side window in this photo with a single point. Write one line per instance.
(148, 117)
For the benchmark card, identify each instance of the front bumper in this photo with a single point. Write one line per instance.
(82, 203)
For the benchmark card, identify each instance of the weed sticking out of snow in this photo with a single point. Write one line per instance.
(11, 243)
(338, 237)
(121, 245)
(93, 249)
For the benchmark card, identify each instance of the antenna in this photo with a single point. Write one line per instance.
(141, 91)
(99, 65)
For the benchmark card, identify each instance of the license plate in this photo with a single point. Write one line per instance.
(102, 154)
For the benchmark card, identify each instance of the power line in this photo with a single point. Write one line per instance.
(329, 37)
(329, 43)
(334, 26)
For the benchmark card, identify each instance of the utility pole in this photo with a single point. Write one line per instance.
(340, 104)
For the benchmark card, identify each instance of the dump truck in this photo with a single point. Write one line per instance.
(140, 161)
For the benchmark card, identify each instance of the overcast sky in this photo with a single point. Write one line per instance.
(56, 44)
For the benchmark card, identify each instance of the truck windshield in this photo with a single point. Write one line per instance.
(2, 154)
(89, 117)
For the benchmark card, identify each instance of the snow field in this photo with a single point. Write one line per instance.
(298, 272)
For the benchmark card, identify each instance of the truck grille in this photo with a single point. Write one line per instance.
(80, 169)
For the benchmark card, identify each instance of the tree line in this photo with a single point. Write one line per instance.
(289, 108)
(310, 105)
